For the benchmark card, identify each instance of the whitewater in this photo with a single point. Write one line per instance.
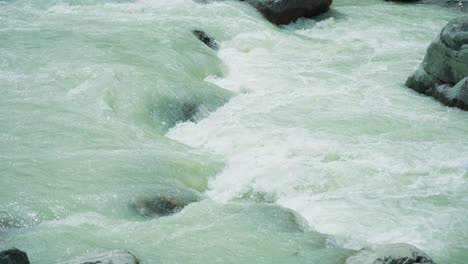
(301, 140)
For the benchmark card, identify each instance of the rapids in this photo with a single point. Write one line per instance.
(103, 101)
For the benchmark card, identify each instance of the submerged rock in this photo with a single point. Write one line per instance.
(207, 39)
(390, 254)
(445, 68)
(13, 256)
(117, 256)
(7, 221)
(163, 204)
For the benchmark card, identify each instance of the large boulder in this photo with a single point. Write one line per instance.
(13, 256)
(390, 254)
(444, 69)
(286, 11)
(117, 256)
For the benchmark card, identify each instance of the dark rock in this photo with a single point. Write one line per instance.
(207, 39)
(13, 256)
(445, 66)
(390, 254)
(117, 256)
(163, 204)
(286, 11)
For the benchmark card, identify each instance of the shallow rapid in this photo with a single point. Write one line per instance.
(106, 101)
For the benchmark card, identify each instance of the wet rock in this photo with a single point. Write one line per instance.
(207, 39)
(159, 205)
(390, 254)
(445, 66)
(286, 11)
(13, 256)
(117, 256)
(9, 222)
(456, 96)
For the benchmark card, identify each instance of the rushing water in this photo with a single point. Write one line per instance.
(105, 101)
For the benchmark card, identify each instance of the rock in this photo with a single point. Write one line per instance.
(286, 11)
(447, 57)
(207, 39)
(390, 254)
(445, 66)
(456, 96)
(7, 221)
(13, 256)
(117, 256)
(163, 204)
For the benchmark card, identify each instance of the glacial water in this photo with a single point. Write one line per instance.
(301, 140)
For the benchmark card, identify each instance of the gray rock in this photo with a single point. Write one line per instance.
(207, 39)
(421, 81)
(287, 11)
(390, 254)
(117, 256)
(163, 204)
(456, 96)
(13, 256)
(447, 57)
(445, 65)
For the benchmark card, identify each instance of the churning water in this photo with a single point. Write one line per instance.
(105, 101)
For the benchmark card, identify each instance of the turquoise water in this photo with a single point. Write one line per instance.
(302, 140)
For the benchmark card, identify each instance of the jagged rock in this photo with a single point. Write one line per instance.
(117, 256)
(13, 256)
(445, 66)
(165, 204)
(390, 254)
(456, 96)
(207, 39)
(287, 11)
